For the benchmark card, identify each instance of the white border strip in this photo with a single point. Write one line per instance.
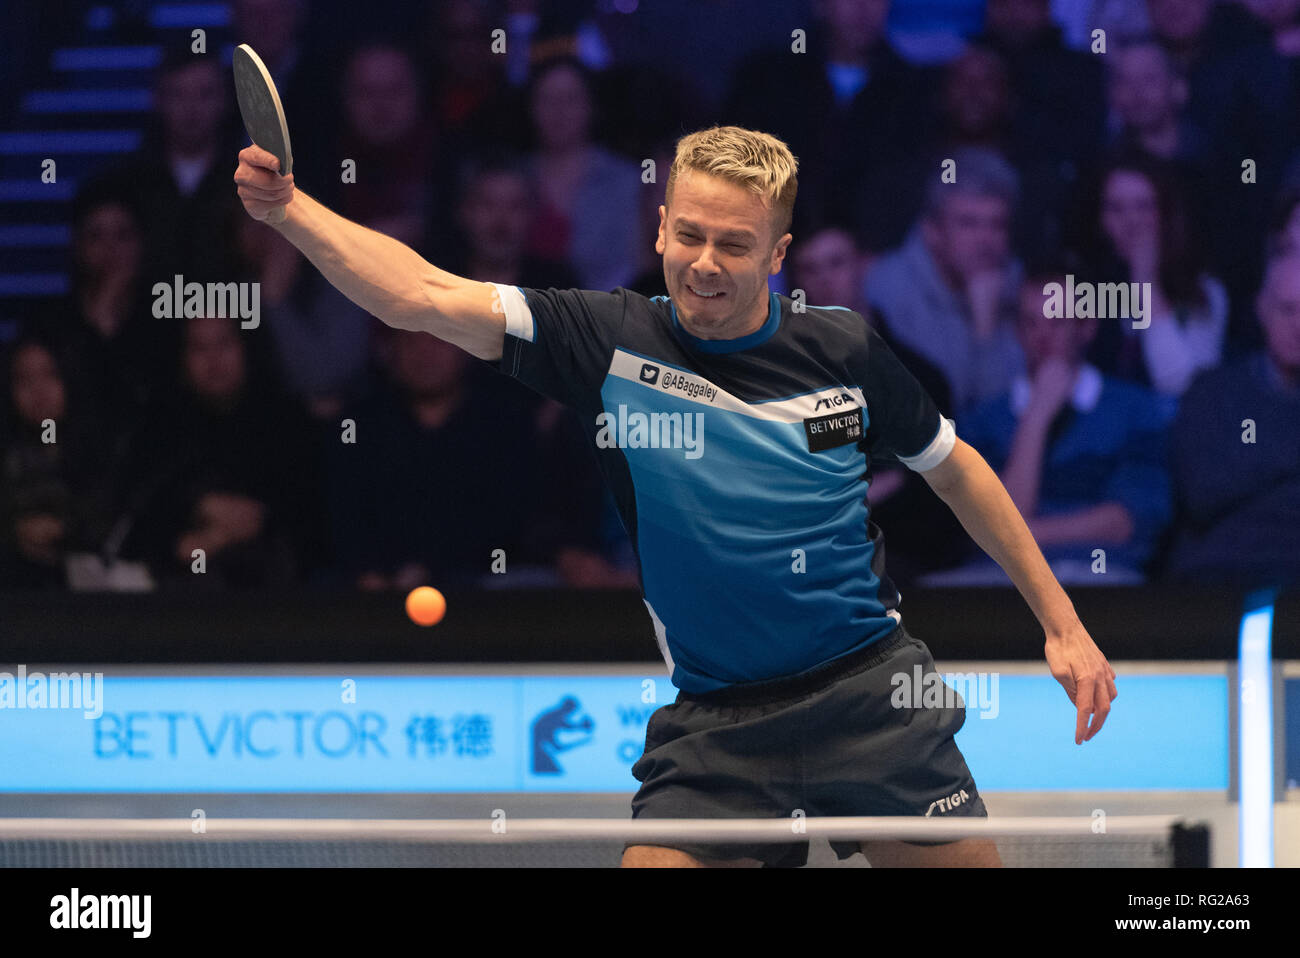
(571, 829)
(628, 366)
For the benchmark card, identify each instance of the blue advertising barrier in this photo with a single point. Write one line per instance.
(539, 733)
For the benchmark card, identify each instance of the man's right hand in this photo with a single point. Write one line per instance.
(1052, 385)
(261, 188)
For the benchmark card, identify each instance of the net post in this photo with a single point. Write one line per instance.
(1191, 844)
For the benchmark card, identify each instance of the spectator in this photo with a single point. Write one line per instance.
(1148, 96)
(1282, 20)
(1226, 52)
(851, 101)
(1081, 455)
(1236, 454)
(577, 520)
(494, 215)
(650, 277)
(923, 533)
(1283, 237)
(1140, 233)
(470, 92)
(1237, 90)
(494, 218)
(182, 173)
(1284, 233)
(1122, 20)
(57, 466)
(401, 170)
(113, 347)
(588, 207)
(322, 340)
(467, 484)
(975, 110)
(227, 466)
(949, 292)
(1058, 90)
(540, 30)
(276, 29)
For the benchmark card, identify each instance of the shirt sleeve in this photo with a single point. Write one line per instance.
(904, 423)
(559, 341)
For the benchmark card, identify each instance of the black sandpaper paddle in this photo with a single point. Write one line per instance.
(262, 112)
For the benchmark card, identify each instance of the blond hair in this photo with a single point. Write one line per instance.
(757, 161)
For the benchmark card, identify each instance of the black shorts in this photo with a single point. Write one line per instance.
(826, 742)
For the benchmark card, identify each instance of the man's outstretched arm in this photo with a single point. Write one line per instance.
(972, 490)
(386, 278)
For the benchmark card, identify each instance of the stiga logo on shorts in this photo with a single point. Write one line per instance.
(835, 429)
(948, 803)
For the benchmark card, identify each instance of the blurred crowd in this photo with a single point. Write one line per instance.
(322, 448)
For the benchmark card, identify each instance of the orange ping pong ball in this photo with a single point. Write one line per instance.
(426, 606)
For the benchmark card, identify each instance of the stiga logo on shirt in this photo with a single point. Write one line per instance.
(842, 399)
(836, 429)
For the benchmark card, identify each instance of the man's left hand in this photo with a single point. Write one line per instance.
(1077, 663)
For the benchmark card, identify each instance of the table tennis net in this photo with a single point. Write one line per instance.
(1124, 842)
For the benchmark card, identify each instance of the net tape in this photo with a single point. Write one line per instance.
(1134, 841)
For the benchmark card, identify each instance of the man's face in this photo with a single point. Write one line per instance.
(270, 25)
(1278, 306)
(970, 234)
(717, 238)
(383, 100)
(424, 366)
(1291, 232)
(1143, 91)
(828, 268)
(561, 107)
(1276, 13)
(977, 94)
(1129, 209)
(495, 215)
(1042, 338)
(109, 241)
(37, 387)
(214, 358)
(1179, 22)
(192, 103)
(859, 23)
(1015, 21)
(457, 28)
